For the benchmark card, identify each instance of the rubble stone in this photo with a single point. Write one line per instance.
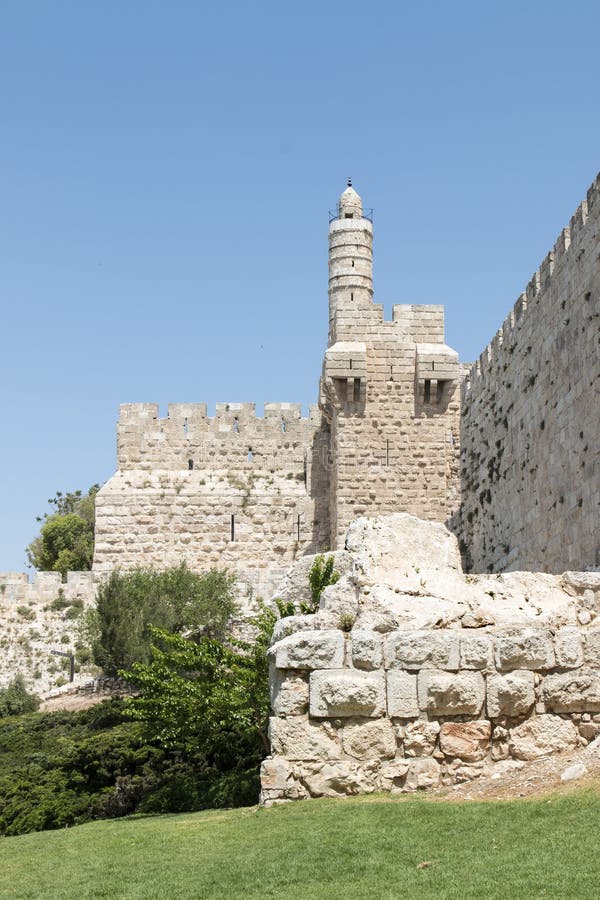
(468, 741)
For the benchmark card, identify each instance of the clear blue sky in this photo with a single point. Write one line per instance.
(165, 174)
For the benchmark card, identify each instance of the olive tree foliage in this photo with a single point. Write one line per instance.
(66, 539)
(177, 600)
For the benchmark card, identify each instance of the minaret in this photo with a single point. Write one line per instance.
(350, 264)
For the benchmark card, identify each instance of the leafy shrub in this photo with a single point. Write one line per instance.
(320, 576)
(60, 602)
(16, 699)
(66, 539)
(177, 600)
(26, 613)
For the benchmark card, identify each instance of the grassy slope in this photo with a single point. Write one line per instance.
(367, 848)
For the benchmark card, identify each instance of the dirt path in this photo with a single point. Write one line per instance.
(534, 778)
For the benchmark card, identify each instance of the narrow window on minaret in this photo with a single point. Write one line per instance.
(236, 426)
(190, 464)
(427, 391)
(352, 263)
(250, 454)
(350, 363)
(283, 424)
(349, 216)
(356, 390)
(185, 426)
(351, 296)
(233, 528)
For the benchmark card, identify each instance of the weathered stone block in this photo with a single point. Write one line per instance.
(591, 653)
(339, 779)
(420, 738)
(577, 691)
(276, 774)
(568, 647)
(541, 735)
(422, 774)
(310, 650)
(512, 694)
(524, 648)
(374, 739)
(420, 649)
(475, 651)
(347, 692)
(289, 693)
(468, 741)
(449, 693)
(297, 738)
(392, 775)
(367, 650)
(402, 694)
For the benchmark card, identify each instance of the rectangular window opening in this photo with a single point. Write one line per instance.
(440, 392)
(233, 528)
(298, 529)
(427, 391)
(190, 464)
(349, 216)
(356, 390)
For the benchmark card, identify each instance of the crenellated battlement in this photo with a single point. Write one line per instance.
(569, 246)
(188, 438)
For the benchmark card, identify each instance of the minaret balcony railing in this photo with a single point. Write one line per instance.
(334, 215)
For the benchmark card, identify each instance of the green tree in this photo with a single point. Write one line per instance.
(66, 539)
(176, 600)
(206, 694)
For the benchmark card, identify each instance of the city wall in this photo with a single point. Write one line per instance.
(38, 621)
(530, 421)
(233, 490)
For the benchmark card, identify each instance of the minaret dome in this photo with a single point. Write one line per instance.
(350, 204)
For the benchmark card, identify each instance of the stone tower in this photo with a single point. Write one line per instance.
(390, 390)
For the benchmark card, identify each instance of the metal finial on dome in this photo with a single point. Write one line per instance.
(349, 182)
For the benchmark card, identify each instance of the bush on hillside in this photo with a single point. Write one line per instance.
(176, 600)
(16, 699)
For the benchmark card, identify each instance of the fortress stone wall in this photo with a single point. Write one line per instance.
(231, 490)
(256, 493)
(530, 421)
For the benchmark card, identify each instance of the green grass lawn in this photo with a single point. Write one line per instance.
(367, 848)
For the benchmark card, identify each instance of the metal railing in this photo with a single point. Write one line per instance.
(335, 214)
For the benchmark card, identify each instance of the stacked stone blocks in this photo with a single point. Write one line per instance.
(365, 712)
